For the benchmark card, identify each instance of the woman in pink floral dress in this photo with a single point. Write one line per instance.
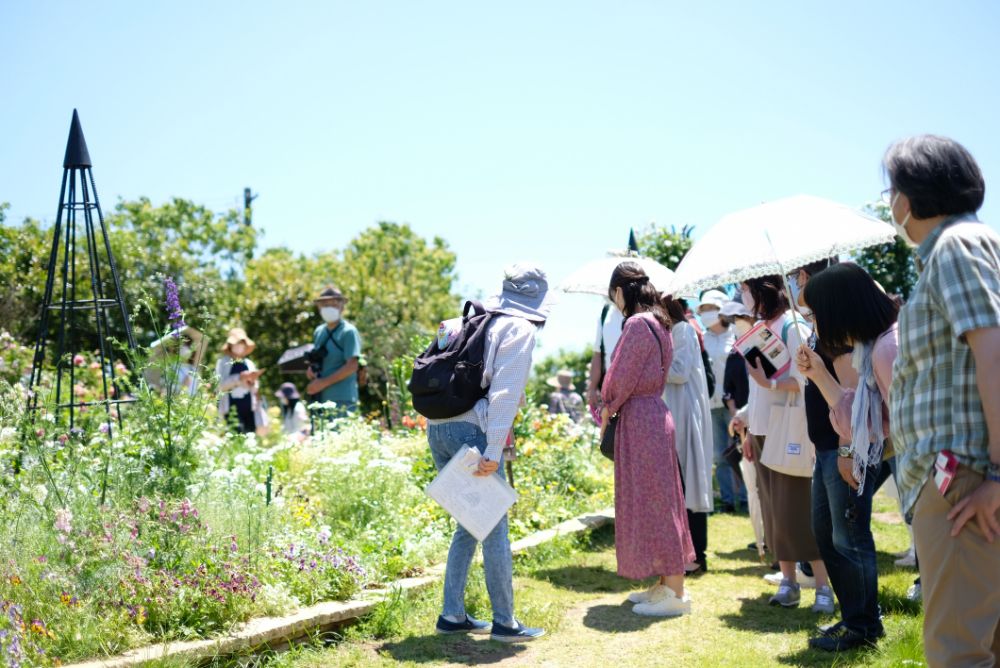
(651, 529)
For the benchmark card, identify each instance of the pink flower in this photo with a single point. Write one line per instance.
(64, 523)
(78, 360)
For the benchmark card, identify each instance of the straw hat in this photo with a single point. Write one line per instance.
(561, 373)
(331, 291)
(237, 334)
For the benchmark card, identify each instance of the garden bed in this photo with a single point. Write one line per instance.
(265, 632)
(203, 532)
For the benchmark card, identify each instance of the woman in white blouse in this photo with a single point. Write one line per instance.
(686, 395)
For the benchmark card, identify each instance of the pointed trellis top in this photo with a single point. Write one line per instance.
(77, 155)
(633, 245)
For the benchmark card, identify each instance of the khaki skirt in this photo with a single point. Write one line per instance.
(786, 504)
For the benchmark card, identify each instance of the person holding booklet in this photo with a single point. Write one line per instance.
(785, 499)
(516, 314)
(239, 399)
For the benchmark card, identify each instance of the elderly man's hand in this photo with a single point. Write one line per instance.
(982, 506)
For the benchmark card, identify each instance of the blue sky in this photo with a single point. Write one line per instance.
(520, 130)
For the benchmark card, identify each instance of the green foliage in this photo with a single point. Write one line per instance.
(578, 362)
(890, 264)
(398, 283)
(666, 246)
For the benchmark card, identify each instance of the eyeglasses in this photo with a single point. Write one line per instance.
(886, 196)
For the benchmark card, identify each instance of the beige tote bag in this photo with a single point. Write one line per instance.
(787, 448)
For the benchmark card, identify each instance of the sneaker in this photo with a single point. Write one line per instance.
(830, 629)
(908, 560)
(514, 634)
(645, 596)
(665, 604)
(804, 581)
(824, 601)
(914, 593)
(841, 640)
(788, 596)
(470, 625)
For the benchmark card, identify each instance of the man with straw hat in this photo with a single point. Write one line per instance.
(565, 400)
(333, 370)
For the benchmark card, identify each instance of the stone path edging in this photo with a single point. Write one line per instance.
(263, 630)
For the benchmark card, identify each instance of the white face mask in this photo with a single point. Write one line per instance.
(748, 300)
(901, 227)
(184, 352)
(710, 318)
(798, 299)
(330, 313)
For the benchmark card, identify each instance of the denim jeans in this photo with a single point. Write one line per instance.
(498, 563)
(842, 526)
(731, 488)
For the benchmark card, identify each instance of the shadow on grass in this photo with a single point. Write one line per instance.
(816, 657)
(756, 615)
(585, 579)
(618, 619)
(893, 603)
(746, 555)
(456, 649)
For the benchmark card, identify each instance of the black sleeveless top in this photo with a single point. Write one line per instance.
(821, 432)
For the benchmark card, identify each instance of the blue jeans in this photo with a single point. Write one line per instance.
(842, 525)
(731, 487)
(498, 563)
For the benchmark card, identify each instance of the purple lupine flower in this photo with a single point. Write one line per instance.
(175, 314)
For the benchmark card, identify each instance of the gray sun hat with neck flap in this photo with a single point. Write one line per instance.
(525, 294)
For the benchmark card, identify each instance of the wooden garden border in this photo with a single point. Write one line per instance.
(264, 631)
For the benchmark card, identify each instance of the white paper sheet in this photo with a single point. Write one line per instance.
(475, 503)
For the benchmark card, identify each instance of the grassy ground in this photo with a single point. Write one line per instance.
(572, 591)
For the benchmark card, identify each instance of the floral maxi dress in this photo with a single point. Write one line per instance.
(651, 528)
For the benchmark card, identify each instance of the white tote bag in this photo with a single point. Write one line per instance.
(787, 448)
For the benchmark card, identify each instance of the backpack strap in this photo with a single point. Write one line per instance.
(477, 309)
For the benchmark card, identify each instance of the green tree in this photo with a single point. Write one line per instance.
(24, 254)
(400, 287)
(666, 246)
(890, 264)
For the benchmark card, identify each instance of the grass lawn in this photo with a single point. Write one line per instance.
(572, 590)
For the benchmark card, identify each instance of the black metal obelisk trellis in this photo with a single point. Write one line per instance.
(76, 292)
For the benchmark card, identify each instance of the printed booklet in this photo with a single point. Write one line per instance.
(763, 347)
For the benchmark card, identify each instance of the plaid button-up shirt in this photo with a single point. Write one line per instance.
(934, 400)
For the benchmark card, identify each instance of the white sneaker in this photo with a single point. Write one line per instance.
(664, 604)
(803, 580)
(914, 593)
(646, 596)
(907, 560)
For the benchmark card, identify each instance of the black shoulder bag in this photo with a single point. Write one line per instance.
(608, 440)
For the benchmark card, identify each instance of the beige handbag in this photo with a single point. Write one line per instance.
(787, 448)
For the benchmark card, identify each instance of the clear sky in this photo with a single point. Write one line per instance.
(516, 130)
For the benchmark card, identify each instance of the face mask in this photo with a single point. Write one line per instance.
(748, 300)
(742, 327)
(184, 352)
(710, 318)
(901, 227)
(798, 299)
(330, 313)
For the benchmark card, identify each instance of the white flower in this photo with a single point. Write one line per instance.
(39, 493)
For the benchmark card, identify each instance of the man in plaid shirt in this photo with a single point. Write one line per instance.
(945, 396)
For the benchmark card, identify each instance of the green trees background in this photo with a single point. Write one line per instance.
(399, 284)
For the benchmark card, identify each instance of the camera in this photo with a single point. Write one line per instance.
(315, 359)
